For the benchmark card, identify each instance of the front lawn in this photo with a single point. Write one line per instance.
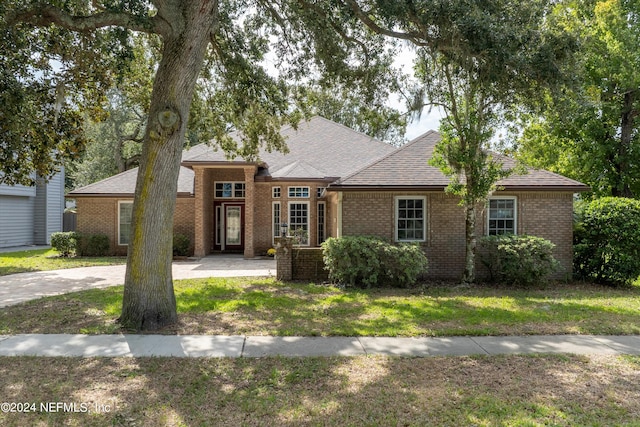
(338, 391)
(48, 259)
(253, 306)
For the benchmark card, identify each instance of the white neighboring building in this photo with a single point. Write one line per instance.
(28, 215)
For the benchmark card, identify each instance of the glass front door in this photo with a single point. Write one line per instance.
(233, 229)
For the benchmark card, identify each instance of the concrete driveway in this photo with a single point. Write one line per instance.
(16, 288)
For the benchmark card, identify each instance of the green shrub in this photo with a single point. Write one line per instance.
(93, 244)
(607, 241)
(65, 242)
(181, 245)
(370, 261)
(522, 260)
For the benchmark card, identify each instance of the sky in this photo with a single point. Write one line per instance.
(428, 120)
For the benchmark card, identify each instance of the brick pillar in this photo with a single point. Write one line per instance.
(249, 206)
(284, 258)
(199, 226)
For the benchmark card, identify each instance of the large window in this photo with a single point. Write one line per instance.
(501, 216)
(230, 190)
(124, 222)
(299, 222)
(411, 219)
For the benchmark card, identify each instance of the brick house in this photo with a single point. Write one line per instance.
(334, 182)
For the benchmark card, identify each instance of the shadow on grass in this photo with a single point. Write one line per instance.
(509, 390)
(224, 306)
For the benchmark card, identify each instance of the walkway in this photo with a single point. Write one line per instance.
(17, 288)
(261, 346)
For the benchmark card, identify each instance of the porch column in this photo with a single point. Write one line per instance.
(199, 226)
(249, 204)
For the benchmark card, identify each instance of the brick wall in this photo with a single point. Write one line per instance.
(299, 263)
(100, 215)
(544, 214)
(308, 265)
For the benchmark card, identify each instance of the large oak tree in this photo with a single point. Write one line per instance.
(59, 58)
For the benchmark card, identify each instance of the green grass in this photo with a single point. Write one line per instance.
(265, 306)
(48, 259)
(338, 391)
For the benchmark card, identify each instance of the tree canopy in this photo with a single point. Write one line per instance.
(590, 130)
(477, 60)
(60, 58)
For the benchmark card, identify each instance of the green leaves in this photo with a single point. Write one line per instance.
(524, 260)
(590, 130)
(371, 261)
(607, 237)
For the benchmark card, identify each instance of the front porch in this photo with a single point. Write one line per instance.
(224, 209)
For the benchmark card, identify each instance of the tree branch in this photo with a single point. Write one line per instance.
(363, 16)
(47, 15)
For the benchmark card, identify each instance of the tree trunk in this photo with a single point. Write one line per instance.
(626, 135)
(469, 275)
(149, 300)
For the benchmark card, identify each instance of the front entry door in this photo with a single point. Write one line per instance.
(229, 227)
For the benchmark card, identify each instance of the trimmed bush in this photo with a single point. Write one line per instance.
(93, 245)
(181, 245)
(607, 241)
(65, 242)
(371, 261)
(522, 260)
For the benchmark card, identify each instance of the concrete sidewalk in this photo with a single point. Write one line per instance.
(17, 288)
(262, 346)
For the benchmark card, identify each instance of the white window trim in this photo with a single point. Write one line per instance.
(515, 212)
(273, 192)
(308, 220)
(122, 202)
(424, 218)
(273, 223)
(233, 185)
(299, 197)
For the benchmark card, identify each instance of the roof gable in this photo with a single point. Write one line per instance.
(319, 148)
(408, 167)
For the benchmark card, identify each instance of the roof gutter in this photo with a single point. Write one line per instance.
(552, 188)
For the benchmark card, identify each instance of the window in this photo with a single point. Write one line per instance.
(299, 222)
(275, 191)
(410, 219)
(276, 219)
(125, 210)
(229, 190)
(299, 192)
(501, 216)
(320, 192)
(321, 222)
(219, 223)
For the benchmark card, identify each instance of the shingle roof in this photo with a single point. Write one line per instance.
(319, 148)
(408, 167)
(125, 184)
